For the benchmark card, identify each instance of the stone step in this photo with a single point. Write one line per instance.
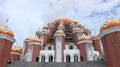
(58, 64)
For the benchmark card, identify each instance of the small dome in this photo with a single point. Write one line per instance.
(59, 32)
(6, 30)
(28, 38)
(38, 31)
(72, 24)
(110, 23)
(76, 29)
(44, 30)
(16, 49)
(80, 26)
(35, 39)
(86, 29)
(95, 36)
(84, 37)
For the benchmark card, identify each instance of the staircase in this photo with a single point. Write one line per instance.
(59, 64)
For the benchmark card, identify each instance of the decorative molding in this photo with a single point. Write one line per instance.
(44, 32)
(16, 53)
(96, 39)
(109, 30)
(7, 37)
(59, 35)
(35, 43)
(78, 31)
(84, 41)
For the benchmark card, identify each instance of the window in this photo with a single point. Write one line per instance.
(68, 58)
(37, 59)
(70, 47)
(51, 58)
(75, 58)
(43, 59)
(49, 47)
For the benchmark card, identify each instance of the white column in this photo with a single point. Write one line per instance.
(58, 49)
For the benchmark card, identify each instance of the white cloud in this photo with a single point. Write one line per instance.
(27, 16)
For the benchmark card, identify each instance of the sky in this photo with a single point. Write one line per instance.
(27, 16)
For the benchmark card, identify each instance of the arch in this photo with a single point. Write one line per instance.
(71, 47)
(90, 54)
(43, 58)
(68, 59)
(49, 48)
(75, 58)
(50, 58)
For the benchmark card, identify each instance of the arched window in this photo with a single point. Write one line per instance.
(43, 59)
(81, 58)
(49, 48)
(50, 58)
(71, 47)
(75, 58)
(68, 58)
(37, 59)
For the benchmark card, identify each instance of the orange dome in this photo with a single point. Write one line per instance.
(28, 38)
(115, 22)
(65, 20)
(36, 39)
(110, 23)
(16, 49)
(59, 32)
(95, 36)
(84, 37)
(6, 30)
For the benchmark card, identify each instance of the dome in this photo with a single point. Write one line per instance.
(44, 30)
(76, 29)
(38, 31)
(80, 26)
(29, 38)
(16, 49)
(35, 39)
(6, 30)
(59, 32)
(72, 24)
(65, 20)
(95, 36)
(84, 37)
(86, 29)
(110, 23)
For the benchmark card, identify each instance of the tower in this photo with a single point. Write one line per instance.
(6, 41)
(15, 53)
(86, 48)
(110, 37)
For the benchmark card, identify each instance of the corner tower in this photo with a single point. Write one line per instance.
(110, 37)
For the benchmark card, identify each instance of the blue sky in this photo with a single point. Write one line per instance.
(27, 16)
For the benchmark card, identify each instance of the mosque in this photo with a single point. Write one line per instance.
(64, 40)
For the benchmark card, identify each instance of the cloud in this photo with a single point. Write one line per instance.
(27, 16)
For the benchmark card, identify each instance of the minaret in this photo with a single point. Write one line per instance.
(36, 47)
(110, 37)
(84, 44)
(6, 41)
(15, 53)
(96, 43)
